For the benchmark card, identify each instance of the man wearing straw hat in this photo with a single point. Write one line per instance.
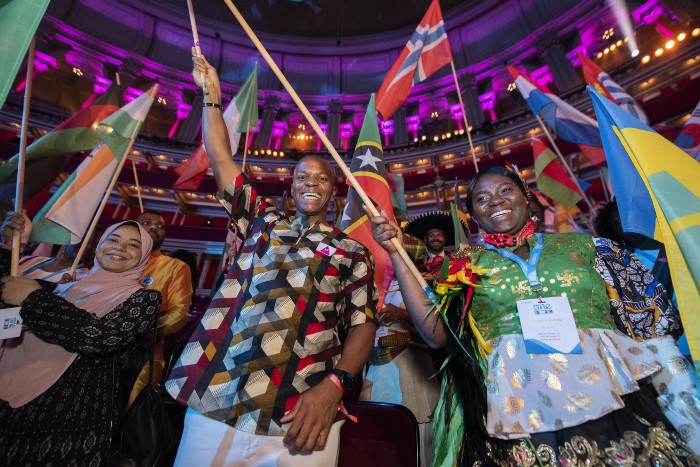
(263, 374)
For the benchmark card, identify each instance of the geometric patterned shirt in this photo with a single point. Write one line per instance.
(271, 331)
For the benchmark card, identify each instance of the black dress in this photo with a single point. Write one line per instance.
(70, 424)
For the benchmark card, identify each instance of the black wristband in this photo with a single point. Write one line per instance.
(212, 104)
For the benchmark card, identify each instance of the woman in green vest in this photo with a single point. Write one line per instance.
(527, 317)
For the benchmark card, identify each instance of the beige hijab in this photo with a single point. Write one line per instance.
(29, 365)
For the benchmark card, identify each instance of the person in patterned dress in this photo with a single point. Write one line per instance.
(264, 372)
(582, 400)
(59, 384)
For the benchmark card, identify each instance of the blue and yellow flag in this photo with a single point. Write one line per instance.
(658, 195)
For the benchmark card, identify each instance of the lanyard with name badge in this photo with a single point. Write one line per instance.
(548, 323)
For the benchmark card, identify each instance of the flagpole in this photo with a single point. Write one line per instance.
(326, 142)
(136, 180)
(564, 163)
(245, 146)
(195, 37)
(21, 160)
(100, 208)
(605, 185)
(464, 116)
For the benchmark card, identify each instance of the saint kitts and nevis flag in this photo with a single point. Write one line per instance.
(658, 195)
(45, 156)
(427, 51)
(368, 168)
(605, 85)
(18, 22)
(67, 215)
(564, 119)
(551, 178)
(242, 110)
(689, 137)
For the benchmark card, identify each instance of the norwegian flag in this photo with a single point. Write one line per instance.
(427, 51)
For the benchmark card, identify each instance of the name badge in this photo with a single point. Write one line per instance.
(10, 323)
(325, 250)
(548, 326)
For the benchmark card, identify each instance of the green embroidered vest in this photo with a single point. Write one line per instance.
(566, 268)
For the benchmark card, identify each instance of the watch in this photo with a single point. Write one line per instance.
(346, 379)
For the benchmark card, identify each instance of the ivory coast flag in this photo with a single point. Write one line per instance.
(67, 215)
(658, 195)
(240, 116)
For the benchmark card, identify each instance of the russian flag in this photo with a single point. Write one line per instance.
(427, 51)
(569, 123)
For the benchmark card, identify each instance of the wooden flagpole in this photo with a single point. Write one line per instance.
(245, 146)
(136, 181)
(326, 142)
(115, 176)
(565, 164)
(195, 37)
(21, 162)
(464, 116)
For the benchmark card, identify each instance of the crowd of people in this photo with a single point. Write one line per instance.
(530, 348)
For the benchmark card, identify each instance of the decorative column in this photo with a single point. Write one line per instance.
(400, 128)
(279, 129)
(413, 125)
(270, 108)
(488, 103)
(345, 134)
(183, 110)
(335, 110)
(457, 115)
(387, 129)
(475, 114)
(563, 72)
(324, 129)
(189, 125)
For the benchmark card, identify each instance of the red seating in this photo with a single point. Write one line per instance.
(385, 435)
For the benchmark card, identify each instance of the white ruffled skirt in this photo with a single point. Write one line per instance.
(539, 393)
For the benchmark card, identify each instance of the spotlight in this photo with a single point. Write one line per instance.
(646, 59)
(627, 39)
(613, 47)
(436, 138)
(659, 52)
(281, 154)
(269, 153)
(635, 52)
(606, 51)
(423, 138)
(415, 140)
(618, 43)
(681, 36)
(600, 55)
(255, 153)
(696, 32)
(670, 44)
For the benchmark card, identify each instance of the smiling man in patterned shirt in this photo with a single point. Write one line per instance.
(266, 359)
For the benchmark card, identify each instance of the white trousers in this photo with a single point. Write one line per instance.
(209, 442)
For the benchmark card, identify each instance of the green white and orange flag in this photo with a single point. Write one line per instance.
(76, 134)
(67, 215)
(551, 178)
(658, 195)
(240, 113)
(18, 22)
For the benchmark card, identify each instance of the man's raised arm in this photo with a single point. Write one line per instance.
(216, 139)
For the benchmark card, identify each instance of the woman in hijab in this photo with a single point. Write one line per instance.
(59, 384)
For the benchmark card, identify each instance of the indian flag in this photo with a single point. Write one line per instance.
(240, 116)
(67, 215)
